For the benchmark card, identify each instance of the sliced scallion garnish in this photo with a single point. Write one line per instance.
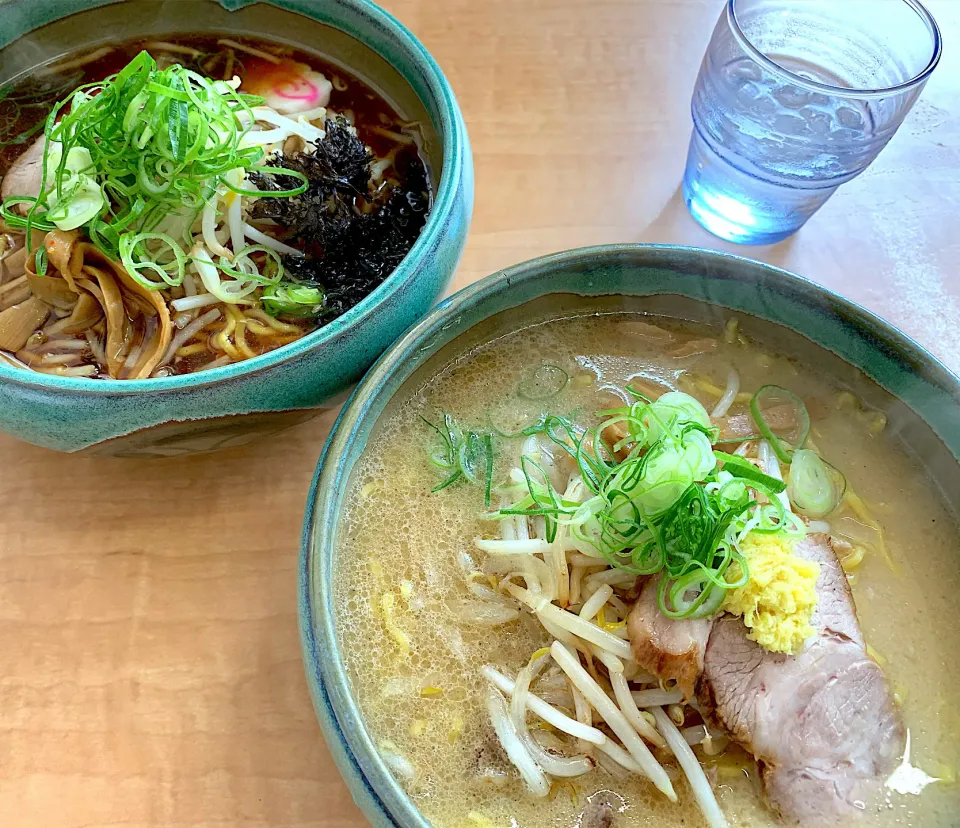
(124, 154)
(739, 467)
(662, 500)
(665, 507)
(815, 487)
(505, 424)
(773, 396)
(463, 454)
(543, 382)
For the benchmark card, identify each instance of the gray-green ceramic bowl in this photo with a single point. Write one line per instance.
(230, 405)
(920, 396)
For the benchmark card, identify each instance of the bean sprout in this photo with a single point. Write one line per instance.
(629, 708)
(590, 607)
(561, 766)
(729, 396)
(549, 714)
(656, 698)
(612, 715)
(518, 755)
(702, 791)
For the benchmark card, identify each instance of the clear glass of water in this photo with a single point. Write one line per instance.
(794, 98)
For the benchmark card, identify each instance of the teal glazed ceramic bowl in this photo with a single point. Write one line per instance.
(920, 396)
(231, 405)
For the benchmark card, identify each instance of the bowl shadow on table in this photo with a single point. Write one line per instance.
(674, 225)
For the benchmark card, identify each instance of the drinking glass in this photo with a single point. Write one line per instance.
(794, 98)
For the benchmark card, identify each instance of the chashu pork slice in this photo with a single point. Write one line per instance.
(671, 649)
(823, 724)
(24, 176)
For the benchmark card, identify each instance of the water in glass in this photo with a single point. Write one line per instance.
(769, 148)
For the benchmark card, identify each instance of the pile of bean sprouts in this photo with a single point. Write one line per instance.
(622, 716)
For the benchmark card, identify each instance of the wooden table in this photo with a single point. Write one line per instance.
(149, 660)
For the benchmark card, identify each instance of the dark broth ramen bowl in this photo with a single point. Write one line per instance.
(919, 395)
(230, 405)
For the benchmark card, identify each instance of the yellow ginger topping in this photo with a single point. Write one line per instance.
(776, 604)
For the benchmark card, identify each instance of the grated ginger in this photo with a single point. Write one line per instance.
(778, 601)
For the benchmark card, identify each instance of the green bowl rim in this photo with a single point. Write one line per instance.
(453, 134)
(370, 780)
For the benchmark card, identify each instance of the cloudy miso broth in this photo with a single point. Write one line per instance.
(406, 557)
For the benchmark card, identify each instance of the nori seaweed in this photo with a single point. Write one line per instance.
(348, 252)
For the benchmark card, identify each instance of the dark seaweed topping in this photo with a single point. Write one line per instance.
(353, 238)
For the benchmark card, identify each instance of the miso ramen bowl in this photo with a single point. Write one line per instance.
(783, 311)
(230, 405)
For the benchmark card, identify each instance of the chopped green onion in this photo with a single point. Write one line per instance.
(543, 496)
(124, 154)
(40, 261)
(226, 290)
(739, 467)
(543, 382)
(290, 299)
(470, 454)
(705, 600)
(77, 198)
(15, 220)
(815, 487)
(501, 423)
(671, 504)
(243, 268)
(299, 176)
(766, 398)
(737, 441)
(488, 450)
(677, 406)
(464, 455)
(136, 257)
(638, 395)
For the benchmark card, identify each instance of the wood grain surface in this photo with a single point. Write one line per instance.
(149, 661)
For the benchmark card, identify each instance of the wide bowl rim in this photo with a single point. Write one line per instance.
(452, 131)
(337, 709)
